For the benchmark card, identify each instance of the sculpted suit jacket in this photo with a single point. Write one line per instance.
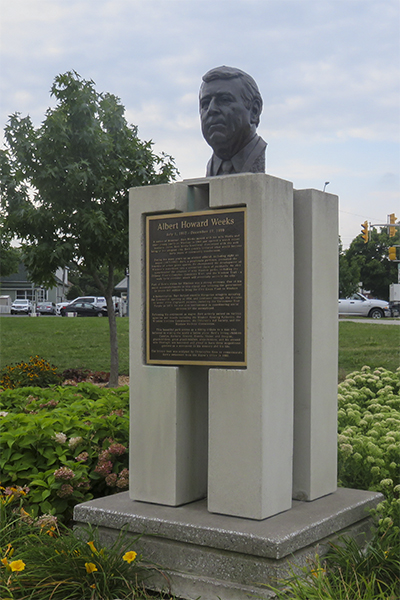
(250, 159)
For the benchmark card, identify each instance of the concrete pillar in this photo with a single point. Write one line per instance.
(315, 343)
(168, 405)
(251, 409)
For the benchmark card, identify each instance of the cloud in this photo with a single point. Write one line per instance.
(327, 69)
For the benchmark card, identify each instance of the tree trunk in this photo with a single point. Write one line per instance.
(112, 323)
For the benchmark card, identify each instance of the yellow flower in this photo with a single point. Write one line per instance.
(4, 562)
(17, 565)
(51, 533)
(317, 572)
(92, 547)
(129, 556)
(90, 567)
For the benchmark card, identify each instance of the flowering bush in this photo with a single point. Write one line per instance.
(37, 371)
(78, 375)
(67, 444)
(368, 458)
(369, 437)
(41, 559)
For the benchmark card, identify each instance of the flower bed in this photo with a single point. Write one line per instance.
(369, 438)
(67, 445)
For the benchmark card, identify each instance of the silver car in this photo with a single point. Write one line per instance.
(360, 306)
(46, 308)
(21, 306)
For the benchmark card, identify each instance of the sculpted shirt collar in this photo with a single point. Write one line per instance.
(240, 158)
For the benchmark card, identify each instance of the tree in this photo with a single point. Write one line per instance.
(349, 275)
(377, 272)
(83, 284)
(10, 257)
(65, 186)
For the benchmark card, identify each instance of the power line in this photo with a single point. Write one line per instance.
(361, 216)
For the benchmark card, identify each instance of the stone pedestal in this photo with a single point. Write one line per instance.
(218, 453)
(212, 556)
(219, 432)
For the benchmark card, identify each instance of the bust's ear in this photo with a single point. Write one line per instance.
(255, 112)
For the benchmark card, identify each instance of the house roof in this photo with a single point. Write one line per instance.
(122, 285)
(20, 279)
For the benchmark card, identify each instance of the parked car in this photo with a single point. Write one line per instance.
(98, 301)
(21, 306)
(84, 309)
(359, 305)
(46, 308)
(61, 305)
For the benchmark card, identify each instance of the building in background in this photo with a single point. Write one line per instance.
(19, 286)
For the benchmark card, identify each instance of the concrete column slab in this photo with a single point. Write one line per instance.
(251, 409)
(315, 344)
(168, 405)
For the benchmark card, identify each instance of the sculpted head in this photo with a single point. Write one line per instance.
(230, 109)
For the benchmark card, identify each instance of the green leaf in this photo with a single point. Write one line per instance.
(46, 494)
(46, 507)
(39, 482)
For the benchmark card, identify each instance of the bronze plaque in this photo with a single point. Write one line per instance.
(196, 288)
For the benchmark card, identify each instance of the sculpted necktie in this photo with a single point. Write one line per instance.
(226, 167)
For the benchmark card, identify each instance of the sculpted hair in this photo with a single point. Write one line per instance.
(250, 89)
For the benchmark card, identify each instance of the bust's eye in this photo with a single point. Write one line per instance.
(204, 104)
(225, 99)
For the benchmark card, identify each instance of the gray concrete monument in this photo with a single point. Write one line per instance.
(233, 368)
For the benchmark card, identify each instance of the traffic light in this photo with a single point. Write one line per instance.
(392, 253)
(364, 231)
(392, 221)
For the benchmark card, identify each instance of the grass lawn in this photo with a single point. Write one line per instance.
(84, 342)
(368, 344)
(65, 342)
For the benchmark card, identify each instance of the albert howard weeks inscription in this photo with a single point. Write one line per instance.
(195, 288)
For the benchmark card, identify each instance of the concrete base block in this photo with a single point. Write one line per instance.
(212, 556)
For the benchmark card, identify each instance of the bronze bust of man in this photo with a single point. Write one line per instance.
(230, 109)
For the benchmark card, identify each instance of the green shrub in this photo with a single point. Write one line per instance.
(66, 444)
(346, 573)
(36, 372)
(369, 438)
(369, 459)
(39, 559)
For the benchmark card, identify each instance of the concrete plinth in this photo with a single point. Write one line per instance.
(219, 432)
(212, 556)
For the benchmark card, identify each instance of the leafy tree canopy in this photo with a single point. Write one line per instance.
(369, 263)
(83, 284)
(10, 257)
(64, 185)
(349, 275)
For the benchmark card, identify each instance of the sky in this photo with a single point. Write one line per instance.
(328, 72)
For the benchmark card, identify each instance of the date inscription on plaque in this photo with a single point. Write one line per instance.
(196, 288)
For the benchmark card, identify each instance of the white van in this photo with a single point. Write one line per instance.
(99, 301)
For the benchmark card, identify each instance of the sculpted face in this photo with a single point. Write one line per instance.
(226, 123)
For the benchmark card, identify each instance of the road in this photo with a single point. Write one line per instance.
(373, 321)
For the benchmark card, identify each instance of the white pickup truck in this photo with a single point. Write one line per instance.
(360, 306)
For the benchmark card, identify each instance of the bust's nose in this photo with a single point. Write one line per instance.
(213, 107)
